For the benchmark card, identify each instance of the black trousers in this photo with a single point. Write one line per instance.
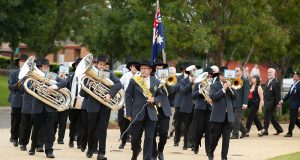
(74, 117)
(136, 134)
(237, 124)
(216, 130)
(15, 123)
(83, 131)
(201, 126)
(45, 119)
(60, 123)
(293, 120)
(253, 117)
(97, 129)
(269, 116)
(185, 119)
(162, 127)
(123, 124)
(25, 129)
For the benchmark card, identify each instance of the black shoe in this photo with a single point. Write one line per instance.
(89, 153)
(82, 149)
(71, 144)
(263, 133)
(160, 156)
(50, 155)
(185, 147)
(176, 144)
(78, 146)
(135, 154)
(15, 143)
(196, 150)
(39, 149)
(244, 135)
(10, 139)
(31, 151)
(96, 151)
(122, 145)
(190, 145)
(277, 133)
(210, 157)
(60, 142)
(234, 137)
(101, 157)
(288, 135)
(23, 148)
(171, 133)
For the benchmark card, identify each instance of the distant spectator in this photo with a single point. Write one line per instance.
(255, 71)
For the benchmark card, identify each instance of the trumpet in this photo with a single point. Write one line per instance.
(233, 81)
(166, 79)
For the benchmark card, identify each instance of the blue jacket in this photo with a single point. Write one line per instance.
(135, 100)
(186, 105)
(14, 87)
(176, 89)
(200, 103)
(222, 103)
(294, 97)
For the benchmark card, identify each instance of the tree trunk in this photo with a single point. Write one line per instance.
(245, 62)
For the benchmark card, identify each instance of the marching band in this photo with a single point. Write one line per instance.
(150, 99)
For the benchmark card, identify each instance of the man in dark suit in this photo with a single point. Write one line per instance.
(16, 100)
(98, 113)
(271, 100)
(186, 109)
(43, 116)
(177, 101)
(221, 116)
(240, 104)
(201, 115)
(142, 96)
(164, 113)
(293, 96)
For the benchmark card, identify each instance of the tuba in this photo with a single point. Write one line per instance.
(97, 86)
(59, 100)
(204, 86)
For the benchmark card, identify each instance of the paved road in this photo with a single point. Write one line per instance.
(252, 148)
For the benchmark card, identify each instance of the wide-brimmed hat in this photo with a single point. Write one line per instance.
(222, 69)
(76, 62)
(22, 57)
(102, 58)
(215, 69)
(129, 64)
(44, 61)
(159, 62)
(146, 63)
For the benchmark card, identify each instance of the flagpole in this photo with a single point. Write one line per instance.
(163, 50)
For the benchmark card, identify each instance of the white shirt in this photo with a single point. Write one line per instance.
(293, 86)
(147, 80)
(125, 79)
(270, 81)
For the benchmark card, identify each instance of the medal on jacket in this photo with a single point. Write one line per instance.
(271, 88)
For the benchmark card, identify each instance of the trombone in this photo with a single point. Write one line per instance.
(233, 81)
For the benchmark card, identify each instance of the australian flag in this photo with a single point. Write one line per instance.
(158, 41)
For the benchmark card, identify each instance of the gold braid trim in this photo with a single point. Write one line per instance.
(140, 81)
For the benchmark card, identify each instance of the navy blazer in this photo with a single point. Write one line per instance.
(200, 103)
(93, 105)
(27, 99)
(222, 103)
(272, 94)
(14, 87)
(243, 93)
(165, 104)
(186, 105)
(135, 100)
(39, 106)
(176, 89)
(293, 96)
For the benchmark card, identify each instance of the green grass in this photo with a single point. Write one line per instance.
(293, 156)
(4, 91)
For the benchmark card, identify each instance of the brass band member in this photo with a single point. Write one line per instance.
(141, 99)
(164, 113)
(98, 114)
(16, 100)
(122, 119)
(221, 115)
(43, 115)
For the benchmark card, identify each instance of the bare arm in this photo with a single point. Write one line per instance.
(261, 96)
